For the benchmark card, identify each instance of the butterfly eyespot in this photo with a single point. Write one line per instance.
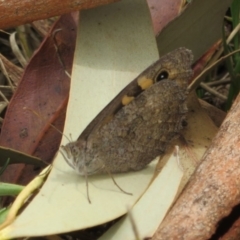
(162, 75)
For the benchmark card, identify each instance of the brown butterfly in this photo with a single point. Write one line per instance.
(139, 123)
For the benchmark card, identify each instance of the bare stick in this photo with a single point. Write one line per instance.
(197, 80)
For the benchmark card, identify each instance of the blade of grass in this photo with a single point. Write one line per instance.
(7, 189)
(3, 214)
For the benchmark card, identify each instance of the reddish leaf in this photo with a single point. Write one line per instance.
(202, 62)
(44, 88)
(163, 12)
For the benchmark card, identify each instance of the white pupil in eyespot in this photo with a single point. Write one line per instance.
(162, 75)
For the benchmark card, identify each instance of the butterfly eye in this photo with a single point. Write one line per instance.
(74, 151)
(162, 75)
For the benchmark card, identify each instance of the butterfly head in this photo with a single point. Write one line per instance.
(71, 154)
(77, 157)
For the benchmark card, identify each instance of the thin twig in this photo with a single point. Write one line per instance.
(4, 98)
(7, 87)
(196, 81)
(219, 82)
(220, 51)
(4, 71)
(212, 91)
